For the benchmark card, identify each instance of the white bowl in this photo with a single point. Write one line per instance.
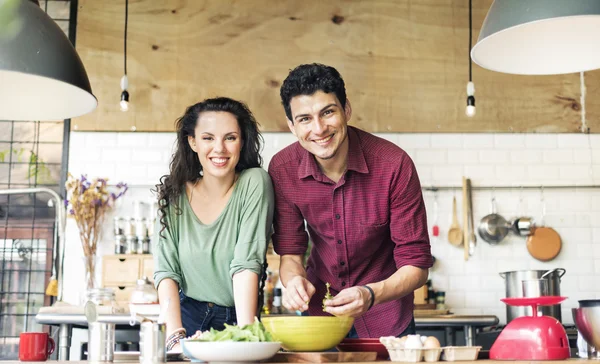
(229, 351)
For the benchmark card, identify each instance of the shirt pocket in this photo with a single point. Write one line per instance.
(373, 236)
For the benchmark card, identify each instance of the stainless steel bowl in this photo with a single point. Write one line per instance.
(587, 320)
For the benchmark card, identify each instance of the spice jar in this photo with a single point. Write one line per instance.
(102, 297)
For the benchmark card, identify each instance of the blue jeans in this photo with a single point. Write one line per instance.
(411, 329)
(196, 315)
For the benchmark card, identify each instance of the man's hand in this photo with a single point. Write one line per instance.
(298, 292)
(353, 301)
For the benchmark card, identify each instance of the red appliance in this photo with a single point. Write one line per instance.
(532, 337)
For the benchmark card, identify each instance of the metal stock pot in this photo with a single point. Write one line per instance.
(513, 282)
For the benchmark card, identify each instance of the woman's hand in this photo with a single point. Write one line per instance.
(298, 292)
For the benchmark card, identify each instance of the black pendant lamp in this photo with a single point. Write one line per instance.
(41, 74)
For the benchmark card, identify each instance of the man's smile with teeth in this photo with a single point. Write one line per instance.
(324, 140)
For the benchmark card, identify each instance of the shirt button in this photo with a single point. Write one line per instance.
(343, 284)
(339, 241)
(337, 216)
(342, 263)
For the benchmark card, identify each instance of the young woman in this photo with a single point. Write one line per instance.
(215, 215)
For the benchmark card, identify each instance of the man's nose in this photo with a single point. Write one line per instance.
(319, 126)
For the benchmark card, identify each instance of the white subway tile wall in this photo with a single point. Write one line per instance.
(472, 287)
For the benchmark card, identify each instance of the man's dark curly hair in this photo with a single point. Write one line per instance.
(307, 79)
(185, 166)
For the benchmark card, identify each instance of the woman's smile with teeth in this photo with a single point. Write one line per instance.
(324, 140)
(219, 160)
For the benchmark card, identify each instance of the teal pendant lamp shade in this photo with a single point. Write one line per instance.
(41, 75)
(540, 37)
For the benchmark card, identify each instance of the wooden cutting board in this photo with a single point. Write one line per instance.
(323, 357)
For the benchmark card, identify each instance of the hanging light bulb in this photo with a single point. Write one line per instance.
(124, 104)
(470, 111)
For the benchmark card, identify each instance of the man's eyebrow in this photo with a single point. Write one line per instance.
(320, 111)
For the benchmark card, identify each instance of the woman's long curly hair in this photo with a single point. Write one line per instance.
(185, 165)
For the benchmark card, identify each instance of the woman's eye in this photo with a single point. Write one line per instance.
(231, 138)
(206, 138)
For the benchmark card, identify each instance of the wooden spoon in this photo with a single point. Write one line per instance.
(455, 234)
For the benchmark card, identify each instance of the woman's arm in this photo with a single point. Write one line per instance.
(168, 289)
(245, 295)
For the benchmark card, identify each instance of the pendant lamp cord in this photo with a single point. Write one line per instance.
(125, 37)
(470, 36)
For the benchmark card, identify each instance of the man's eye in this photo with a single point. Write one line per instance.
(327, 112)
(303, 120)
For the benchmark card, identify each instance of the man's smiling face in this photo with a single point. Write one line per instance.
(320, 123)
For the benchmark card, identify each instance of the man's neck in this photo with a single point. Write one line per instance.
(335, 167)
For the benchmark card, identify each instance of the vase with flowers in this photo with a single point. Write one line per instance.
(88, 201)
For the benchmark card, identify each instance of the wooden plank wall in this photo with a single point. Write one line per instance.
(405, 63)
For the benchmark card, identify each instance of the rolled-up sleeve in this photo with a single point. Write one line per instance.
(289, 231)
(255, 225)
(408, 219)
(165, 252)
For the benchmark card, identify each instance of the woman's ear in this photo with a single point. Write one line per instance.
(192, 142)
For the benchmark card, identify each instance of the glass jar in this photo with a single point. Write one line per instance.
(101, 297)
(144, 292)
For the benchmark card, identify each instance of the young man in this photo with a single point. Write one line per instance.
(360, 199)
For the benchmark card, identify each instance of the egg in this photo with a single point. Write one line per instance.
(399, 342)
(431, 343)
(413, 342)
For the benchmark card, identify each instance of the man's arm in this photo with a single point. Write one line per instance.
(293, 277)
(290, 241)
(403, 282)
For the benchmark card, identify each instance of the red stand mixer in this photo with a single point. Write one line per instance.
(532, 337)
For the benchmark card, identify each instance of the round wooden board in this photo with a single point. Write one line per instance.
(544, 244)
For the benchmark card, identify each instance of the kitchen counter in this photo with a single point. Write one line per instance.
(67, 321)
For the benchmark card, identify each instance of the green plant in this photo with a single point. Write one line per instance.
(37, 170)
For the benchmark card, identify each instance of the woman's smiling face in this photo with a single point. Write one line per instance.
(218, 143)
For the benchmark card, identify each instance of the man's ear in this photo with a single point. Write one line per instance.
(192, 142)
(348, 110)
(291, 126)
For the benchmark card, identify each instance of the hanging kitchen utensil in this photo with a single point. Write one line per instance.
(493, 227)
(435, 230)
(472, 236)
(455, 233)
(544, 243)
(523, 225)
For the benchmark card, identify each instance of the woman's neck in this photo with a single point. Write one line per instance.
(217, 187)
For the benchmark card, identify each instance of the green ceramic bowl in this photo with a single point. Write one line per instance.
(308, 333)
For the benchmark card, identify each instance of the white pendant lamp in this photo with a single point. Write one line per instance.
(540, 37)
(41, 74)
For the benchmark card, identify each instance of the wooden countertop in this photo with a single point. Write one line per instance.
(484, 361)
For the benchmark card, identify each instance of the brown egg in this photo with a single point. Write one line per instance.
(431, 343)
